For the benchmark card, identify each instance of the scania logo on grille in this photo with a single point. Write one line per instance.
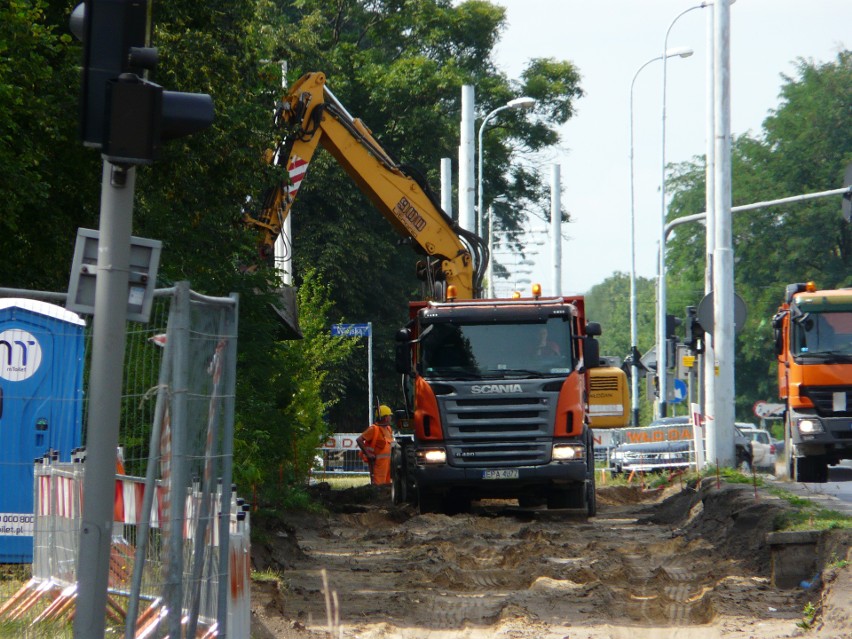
(482, 389)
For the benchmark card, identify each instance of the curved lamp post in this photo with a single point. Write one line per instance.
(681, 52)
(517, 103)
(662, 364)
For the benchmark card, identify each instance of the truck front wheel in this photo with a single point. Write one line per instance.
(429, 502)
(813, 470)
(399, 479)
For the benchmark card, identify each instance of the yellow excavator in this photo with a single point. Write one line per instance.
(310, 115)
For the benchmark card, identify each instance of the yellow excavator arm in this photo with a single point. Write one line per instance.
(311, 115)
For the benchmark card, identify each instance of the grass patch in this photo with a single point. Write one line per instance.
(266, 576)
(807, 515)
(342, 482)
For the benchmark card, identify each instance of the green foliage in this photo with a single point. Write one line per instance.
(45, 196)
(809, 613)
(284, 419)
(609, 304)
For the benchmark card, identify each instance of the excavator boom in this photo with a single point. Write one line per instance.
(310, 115)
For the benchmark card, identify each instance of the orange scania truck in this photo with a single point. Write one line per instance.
(813, 342)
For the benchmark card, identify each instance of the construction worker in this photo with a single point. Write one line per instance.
(375, 445)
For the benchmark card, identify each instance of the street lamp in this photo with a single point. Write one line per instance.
(661, 276)
(681, 52)
(517, 103)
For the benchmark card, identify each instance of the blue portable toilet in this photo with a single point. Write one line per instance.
(41, 407)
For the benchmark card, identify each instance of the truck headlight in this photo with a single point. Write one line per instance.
(567, 452)
(810, 426)
(432, 456)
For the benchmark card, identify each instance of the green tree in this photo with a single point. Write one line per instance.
(45, 198)
(609, 304)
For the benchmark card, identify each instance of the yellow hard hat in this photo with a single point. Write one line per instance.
(384, 411)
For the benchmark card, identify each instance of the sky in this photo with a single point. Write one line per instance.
(608, 41)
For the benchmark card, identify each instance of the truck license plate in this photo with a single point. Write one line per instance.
(500, 473)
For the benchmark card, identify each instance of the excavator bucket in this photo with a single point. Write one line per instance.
(287, 309)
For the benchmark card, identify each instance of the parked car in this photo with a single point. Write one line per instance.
(651, 456)
(763, 450)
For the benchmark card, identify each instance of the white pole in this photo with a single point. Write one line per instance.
(556, 227)
(283, 247)
(723, 254)
(490, 274)
(466, 153)
(370, 372)
(447, 186)
(662, 364)
(708, 410)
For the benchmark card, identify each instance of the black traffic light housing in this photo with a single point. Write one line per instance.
(122, 113)
(694, 332)
(672, 323)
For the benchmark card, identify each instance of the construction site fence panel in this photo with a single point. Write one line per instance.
(170, 572)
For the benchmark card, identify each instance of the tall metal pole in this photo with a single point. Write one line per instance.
(556, 227)
(108, 343)
(707, 379)
(466, 151)
(447, 186)
(662, 364)
(490, 269)
(723, 254)
(370, 372)
(634, 330)
(479, 154)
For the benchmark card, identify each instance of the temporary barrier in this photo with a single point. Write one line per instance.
(339, 455)
(41, 407)
(50, 595)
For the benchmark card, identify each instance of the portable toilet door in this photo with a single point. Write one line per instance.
(41, 407)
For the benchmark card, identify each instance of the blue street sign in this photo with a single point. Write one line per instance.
(350, 330)
(679, 391)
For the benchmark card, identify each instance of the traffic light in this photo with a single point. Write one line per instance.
(122, 113)
(694, 333)
(672, 323)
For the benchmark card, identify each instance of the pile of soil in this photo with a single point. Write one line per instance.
(681, 562)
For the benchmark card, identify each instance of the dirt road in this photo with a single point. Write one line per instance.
(673, 564)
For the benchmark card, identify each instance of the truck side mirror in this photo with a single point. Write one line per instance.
(402, 352)
(778, 333)
(591, 353)
(593, 329)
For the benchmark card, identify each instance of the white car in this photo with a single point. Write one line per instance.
(763, 450)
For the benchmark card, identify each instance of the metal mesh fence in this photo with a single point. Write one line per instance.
(169, 573)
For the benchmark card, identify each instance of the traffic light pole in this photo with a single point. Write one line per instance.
(104, 406)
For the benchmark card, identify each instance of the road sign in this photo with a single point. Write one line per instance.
(765, 410)
(679, 391)
(350, 330)
(705, 313)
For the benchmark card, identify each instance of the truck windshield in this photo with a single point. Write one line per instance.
(496, 350)
(823, 333)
